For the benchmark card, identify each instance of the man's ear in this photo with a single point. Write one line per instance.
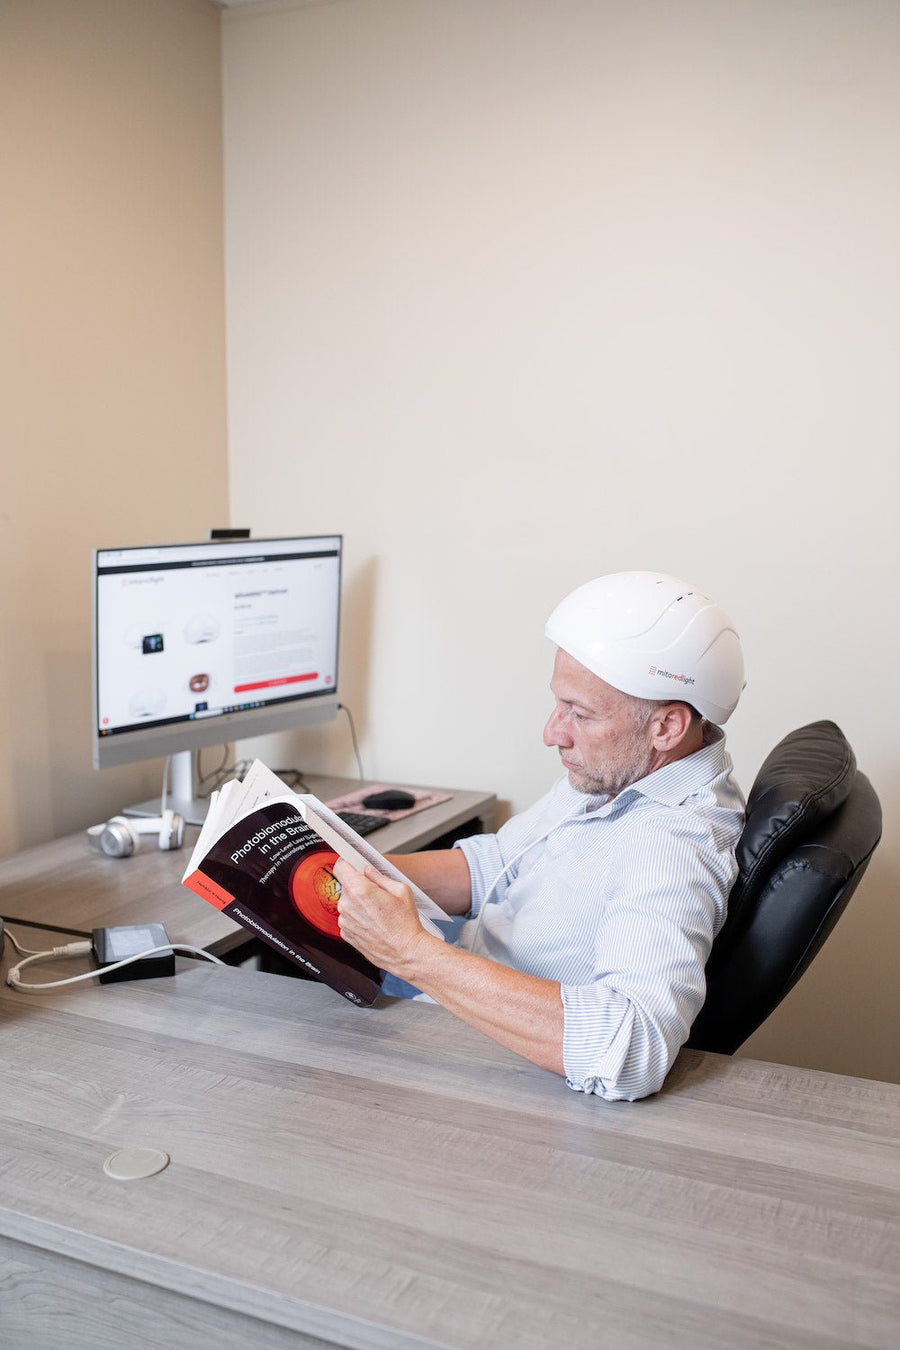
(670, 725)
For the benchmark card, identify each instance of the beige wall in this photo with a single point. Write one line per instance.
(112, 360)
(522, 293)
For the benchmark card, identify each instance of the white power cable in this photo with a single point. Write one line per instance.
(23, 951)
(14, 980)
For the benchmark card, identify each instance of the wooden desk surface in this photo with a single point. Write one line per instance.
(69, 885)
(388, 1178)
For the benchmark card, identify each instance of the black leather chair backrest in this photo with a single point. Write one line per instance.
(813, 822)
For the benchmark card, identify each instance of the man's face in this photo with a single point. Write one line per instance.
(602, 746)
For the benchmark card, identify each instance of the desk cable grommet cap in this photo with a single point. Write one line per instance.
(134, 1164)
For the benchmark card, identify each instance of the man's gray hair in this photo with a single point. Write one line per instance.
(642, 709)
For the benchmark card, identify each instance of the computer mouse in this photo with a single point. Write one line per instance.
(391, 799)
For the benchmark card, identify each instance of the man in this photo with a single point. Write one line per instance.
(593, 912)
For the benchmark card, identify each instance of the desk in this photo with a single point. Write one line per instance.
(386, 1178)
(68, 885)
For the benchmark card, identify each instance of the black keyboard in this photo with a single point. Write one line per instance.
(362, 822)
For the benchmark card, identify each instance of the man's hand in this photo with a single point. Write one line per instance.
(379, 918)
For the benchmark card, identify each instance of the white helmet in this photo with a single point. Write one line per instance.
(655, 637)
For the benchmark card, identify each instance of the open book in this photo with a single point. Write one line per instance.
(265, 857)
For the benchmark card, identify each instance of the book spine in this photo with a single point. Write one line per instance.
(256, 925)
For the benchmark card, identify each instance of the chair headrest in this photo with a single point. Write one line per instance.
(801, 782)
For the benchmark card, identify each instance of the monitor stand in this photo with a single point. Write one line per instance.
(181, 798)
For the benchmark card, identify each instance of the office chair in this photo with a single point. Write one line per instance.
(813, 821)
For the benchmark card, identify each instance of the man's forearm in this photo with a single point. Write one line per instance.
(443, 874)
(522, 1012)
(378, 917)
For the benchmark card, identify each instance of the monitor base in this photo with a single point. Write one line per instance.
(181, 797)
(193, 809)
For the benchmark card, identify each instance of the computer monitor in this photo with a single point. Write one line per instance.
(200, 644)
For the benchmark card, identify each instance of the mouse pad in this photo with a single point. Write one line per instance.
(353, 801)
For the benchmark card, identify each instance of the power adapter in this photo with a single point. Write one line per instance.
(115, 944)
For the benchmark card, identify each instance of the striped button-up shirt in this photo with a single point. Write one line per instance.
(619, 900)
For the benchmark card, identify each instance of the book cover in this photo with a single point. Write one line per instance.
(271, 871)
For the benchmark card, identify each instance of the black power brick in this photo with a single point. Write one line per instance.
(115, 944)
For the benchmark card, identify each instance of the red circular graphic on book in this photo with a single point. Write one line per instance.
(315, 889)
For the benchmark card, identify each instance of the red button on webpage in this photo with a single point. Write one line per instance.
(272, 684)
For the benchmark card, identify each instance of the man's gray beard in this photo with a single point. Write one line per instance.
(596, 785)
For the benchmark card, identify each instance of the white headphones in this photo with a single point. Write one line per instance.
(120, 836)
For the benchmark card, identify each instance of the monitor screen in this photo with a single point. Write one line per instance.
(201, 644)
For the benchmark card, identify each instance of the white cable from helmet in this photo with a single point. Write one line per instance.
(570, 815)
